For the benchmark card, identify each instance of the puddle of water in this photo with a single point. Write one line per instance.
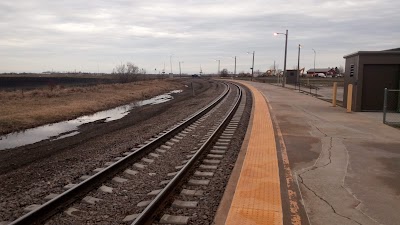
(69, 128)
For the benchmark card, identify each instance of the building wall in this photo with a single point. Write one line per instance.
(351, 80)
(291, 76)
(374, 83)
(359, 61)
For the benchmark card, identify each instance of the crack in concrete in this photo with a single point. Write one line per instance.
(320, 131)
(330, 153)
(359, 204)
(314, 167)
(324, 200)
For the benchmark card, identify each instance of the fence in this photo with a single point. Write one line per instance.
(391, 107)
(306, 88)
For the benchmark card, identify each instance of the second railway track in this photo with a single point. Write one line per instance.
(137, 185)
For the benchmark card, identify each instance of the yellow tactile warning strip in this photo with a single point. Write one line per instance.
(257, 199)
(291, 186)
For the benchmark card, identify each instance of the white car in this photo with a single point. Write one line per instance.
(321, 75)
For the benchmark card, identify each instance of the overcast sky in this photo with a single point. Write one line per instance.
(91, 36)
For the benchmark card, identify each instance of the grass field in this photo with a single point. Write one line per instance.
(25, 109)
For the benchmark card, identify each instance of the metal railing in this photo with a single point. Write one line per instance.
(307, 88)
(391, 107)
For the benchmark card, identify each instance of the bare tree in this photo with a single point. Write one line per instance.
(128, 72)
(131, 68)
(224, 73)
(119, 69)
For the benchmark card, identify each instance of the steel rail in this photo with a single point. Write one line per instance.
(57, 204)
(148, 214)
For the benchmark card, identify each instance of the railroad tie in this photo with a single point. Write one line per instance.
(170, 219)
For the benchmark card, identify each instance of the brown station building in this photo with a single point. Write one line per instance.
(371, 72)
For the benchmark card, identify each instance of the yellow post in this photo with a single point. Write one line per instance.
(334, 94)
(349, 97)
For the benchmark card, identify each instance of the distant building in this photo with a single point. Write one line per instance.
(326, 71)
(291, 76)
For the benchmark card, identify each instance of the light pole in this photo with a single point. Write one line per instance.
(298, 65)
(252, 66)
(234, 73)
(315, 55)
(219, 63)
(170, 62)
(180, 70)
(284, 64)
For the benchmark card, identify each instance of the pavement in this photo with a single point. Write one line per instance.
(323, 92)
(346, 165)
(335, 167)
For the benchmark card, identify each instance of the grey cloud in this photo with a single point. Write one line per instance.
(196, 32)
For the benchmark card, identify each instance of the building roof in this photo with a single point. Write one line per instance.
(395, 51)
(319, 70)
(391, 50)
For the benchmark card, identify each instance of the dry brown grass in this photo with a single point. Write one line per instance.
(20, 110)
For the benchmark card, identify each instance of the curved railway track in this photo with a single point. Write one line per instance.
(189, 196)
(149, 213)
(216, 140)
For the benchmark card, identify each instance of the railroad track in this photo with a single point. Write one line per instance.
(187, 199)
(140, 158)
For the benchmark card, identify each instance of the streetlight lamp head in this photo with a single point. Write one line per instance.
(275, 34)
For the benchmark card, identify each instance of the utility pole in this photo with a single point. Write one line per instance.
(170, 61)
(252, 68)
(164, 69)
(298, 65)
(180, 70)
(219, 62)
(235, 66)
(284, 69)
(315, 54)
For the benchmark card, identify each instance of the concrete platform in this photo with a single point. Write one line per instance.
(334, 167)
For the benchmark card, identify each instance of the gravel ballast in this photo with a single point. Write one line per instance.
(33, 172)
